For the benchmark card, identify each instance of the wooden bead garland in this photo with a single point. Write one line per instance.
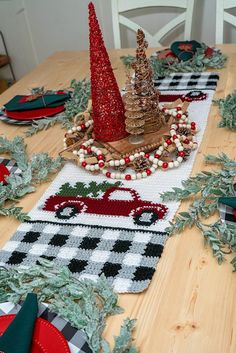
(180, 141)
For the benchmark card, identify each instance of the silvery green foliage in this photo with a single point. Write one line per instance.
(76, 104)
(198, 63)
(84, 303)
(227, 107)
(205, 188)
(34, 171)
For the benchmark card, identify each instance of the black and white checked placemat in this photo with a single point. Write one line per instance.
(76, 339)
(187, 81)
(11, 165)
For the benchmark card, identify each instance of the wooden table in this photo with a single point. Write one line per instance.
(190, 305)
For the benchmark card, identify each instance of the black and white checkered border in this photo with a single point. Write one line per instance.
(127, 257)
(11, 165)
(76, 339)
(187, 81)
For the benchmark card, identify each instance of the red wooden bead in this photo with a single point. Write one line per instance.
(84, 164)
(165, 165)
(148, 171)
(168, 141)
(89, 150)
(101, 164)
(178, 116)
(186, 141)
(128, 177)
(174, 137)
(147, 155)
(178, 108)
(193, 126)
(127, 160)
(83, 147)
(181, 154)
(82, 126)
(100, 157)
(108, 174)
(156, 155)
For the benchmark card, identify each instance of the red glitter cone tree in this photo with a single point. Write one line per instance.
(108, 109)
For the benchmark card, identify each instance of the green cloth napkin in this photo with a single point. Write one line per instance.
(48, 100)
(18, 336)
(228, 201)
(185, 50)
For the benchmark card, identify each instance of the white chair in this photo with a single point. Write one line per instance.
(223, 16)
(120, 6)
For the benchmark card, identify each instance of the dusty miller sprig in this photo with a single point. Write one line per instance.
(206, 188)
(227, 108)
(198, 63)
(84, 303)
(33, 171)
(76, 104)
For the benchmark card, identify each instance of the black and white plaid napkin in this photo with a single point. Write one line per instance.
(11, 165)
(76, 339)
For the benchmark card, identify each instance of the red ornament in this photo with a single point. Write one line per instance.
(84, 164)
(168, 141)
(174, 137)
(147, 155)
(82, 126)
(148, 171)
(4, 172)
(127, 160)
(178, 108)
(108, 109)
(156, 155)
(186, 141)
(178, 116)
(165, 165)
(101, 164)
(108, 174)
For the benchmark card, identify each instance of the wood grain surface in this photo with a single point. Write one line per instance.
(190, 306)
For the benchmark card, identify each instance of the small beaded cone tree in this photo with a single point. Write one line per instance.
(144, 87)
(107, 106)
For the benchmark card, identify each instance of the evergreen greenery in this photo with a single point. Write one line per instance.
(84, 303)
(205, 188)
(199, 63)
(92, 190)
(76, 104)
(227, 107)
(34, 171)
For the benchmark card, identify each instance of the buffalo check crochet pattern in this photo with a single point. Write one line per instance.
(118, 229)
(76, 339)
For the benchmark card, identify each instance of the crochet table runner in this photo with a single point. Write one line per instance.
(111, 230)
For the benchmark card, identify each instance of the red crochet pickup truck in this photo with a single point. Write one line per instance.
(143, 212)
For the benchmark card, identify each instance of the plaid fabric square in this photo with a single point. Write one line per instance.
(187, 81)
(11, 165)
(127, 258)
(76, 339)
